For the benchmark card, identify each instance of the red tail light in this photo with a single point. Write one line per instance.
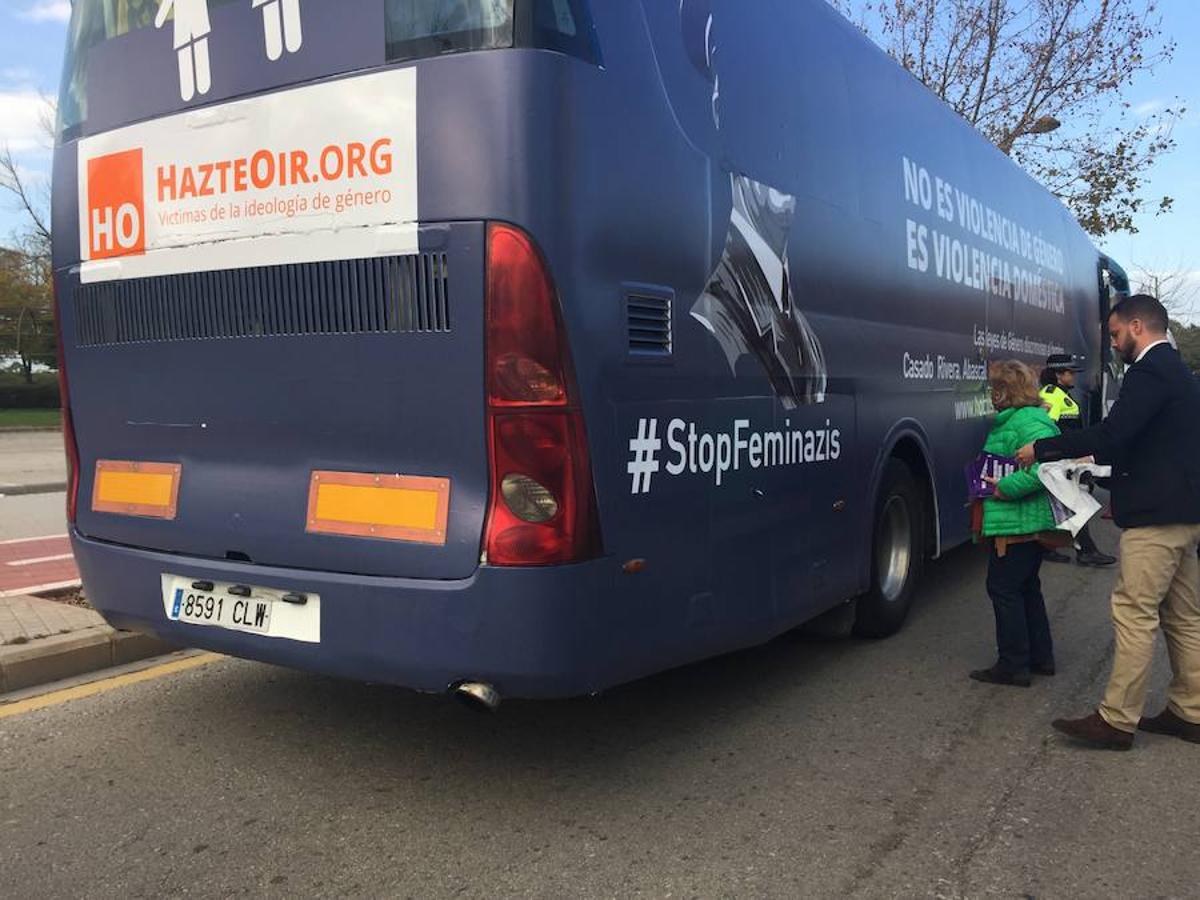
(525, 353)
(68, 425)
(543, 504)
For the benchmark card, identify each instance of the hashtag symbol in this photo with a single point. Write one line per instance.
(645, 449)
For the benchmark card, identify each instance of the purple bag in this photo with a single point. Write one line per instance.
(987, 465)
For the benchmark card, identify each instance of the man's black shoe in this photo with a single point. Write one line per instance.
(1095, 732)
(996, 675)
(1094, 558)
(1166, 722)
(1055, 556)
(1044, 669)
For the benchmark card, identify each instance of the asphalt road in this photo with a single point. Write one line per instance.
(32, 515)
(31, 457)
(805, 768)
(28, 459)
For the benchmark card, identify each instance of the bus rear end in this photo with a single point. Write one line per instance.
(322, 409)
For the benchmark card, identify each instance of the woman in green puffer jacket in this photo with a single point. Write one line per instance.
(1017, 520)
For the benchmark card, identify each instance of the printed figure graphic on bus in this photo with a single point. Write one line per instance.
(192, 28)
(748, 305)
(281, 26)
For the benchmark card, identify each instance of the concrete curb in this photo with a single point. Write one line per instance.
(19, 490)
(26, 429)
(54, 658)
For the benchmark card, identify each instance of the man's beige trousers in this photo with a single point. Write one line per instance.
(1159, 584)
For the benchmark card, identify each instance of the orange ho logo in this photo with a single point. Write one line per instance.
(116, 212)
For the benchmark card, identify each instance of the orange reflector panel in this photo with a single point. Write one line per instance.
(392, 507)
(147, 489)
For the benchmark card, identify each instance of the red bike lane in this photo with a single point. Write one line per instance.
(30, 565)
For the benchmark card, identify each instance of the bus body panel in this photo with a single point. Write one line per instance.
(251, 418)
(629, 185)
(556, 632)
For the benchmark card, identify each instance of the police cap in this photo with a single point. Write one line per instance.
(1062, 362)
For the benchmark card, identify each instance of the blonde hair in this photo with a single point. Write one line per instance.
(1013, 384)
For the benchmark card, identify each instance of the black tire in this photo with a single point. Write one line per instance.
(899, 524)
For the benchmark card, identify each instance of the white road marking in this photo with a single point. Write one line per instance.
(48, 537)
(40, 588)
(40, 559)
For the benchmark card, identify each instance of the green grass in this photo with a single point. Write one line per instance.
(41, 418)
(12, 378)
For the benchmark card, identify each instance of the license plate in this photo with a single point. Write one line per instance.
(224, 611)
(243, 608)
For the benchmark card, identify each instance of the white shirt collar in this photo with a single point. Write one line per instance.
(1151, 347)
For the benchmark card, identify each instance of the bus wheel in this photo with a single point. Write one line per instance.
(897, 554)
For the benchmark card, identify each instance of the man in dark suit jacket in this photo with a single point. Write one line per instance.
(1152, 440)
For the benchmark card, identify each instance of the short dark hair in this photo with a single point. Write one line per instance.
(1146, 309)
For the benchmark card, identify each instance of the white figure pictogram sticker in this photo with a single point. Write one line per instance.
(282, 30)
(281, 26)
(192, 28)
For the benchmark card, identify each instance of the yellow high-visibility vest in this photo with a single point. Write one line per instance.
(1060, 404)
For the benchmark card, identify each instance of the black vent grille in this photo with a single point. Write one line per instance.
(649, 325)
(397, 294)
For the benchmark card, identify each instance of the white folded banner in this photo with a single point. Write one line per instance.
(1073, 505)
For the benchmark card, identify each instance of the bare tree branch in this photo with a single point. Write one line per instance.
(1176, 287)
(1015, 68)
(12, 181)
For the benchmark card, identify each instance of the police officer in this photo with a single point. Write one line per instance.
(1058, 379)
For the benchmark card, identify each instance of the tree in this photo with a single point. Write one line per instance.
(1175, 288)
(26, 314)
(1044, 80)
(31, 203)
(1187, 339)
(26, 275)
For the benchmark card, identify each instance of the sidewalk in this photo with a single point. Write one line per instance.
(44, 640)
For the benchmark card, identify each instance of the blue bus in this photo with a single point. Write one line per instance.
(527, 347)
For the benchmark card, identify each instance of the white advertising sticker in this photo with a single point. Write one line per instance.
(314, 173)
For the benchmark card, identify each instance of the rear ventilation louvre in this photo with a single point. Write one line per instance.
(649, 319)
(380, 295)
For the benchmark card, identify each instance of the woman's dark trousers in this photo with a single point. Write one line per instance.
(1084, 542)
(1022, 628)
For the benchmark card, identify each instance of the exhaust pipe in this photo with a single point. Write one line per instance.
(477, 695)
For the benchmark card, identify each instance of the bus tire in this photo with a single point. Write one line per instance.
(897, 553)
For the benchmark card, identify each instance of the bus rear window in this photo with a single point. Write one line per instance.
(433, 27)
(413, 29)
(92, 23)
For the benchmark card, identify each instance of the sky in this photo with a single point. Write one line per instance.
(31, 48)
